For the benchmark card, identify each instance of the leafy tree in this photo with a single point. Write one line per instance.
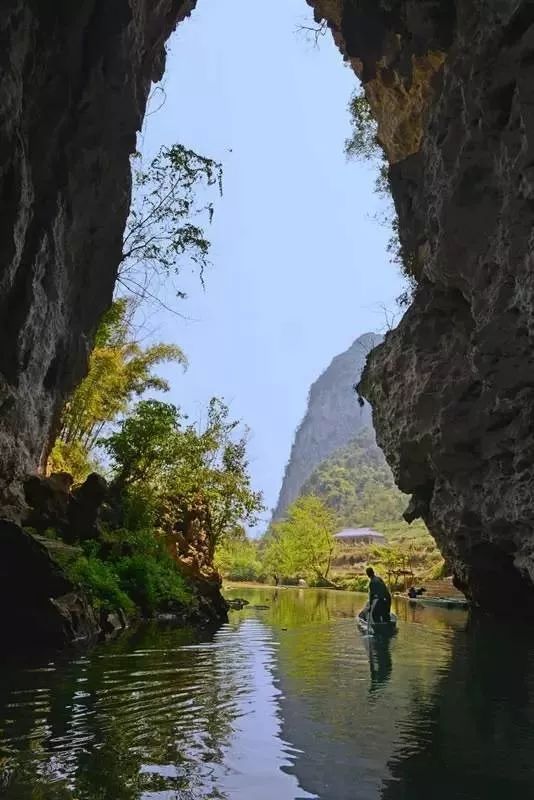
(302, 545)
(154, 448)
(119, 370)
(237, 557)
(164, 232)
(216, 467)
(147, 444)
(363, 142)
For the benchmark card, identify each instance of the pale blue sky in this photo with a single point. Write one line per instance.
(300, 267)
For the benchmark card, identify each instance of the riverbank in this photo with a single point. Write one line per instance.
(434, 589)
(92, 559)
(56, 596)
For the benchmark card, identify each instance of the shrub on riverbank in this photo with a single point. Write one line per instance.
(142, 576)
(238, 559)
(146, 540)
(132, 571)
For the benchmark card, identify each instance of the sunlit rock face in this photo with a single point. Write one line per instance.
(333, 418)
(73, 87)
(453, 386)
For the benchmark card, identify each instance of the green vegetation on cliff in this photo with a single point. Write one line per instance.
(333, 417)
(363, 144)
(129, 570)
(357, 484)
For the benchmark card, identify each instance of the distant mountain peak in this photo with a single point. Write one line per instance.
(333, 418)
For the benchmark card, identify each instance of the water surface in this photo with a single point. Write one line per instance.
(282, 703)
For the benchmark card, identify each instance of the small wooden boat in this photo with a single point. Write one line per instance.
(440, 602)
(378, 628)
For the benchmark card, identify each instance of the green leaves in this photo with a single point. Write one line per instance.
(165, 228)
(147, 444)
(238, 557)
(119, 370)
(154, 447)
(301, 546)
(363, 142)
(130, 570)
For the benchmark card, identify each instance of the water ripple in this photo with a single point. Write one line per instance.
(288, 703)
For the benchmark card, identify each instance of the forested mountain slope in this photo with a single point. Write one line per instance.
(357, 484)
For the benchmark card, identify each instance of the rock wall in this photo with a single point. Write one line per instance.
(452, 387)
(39, 605)
(333, 418)
(74, 81)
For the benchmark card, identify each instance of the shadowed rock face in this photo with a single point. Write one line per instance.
(73, 86)
(39, 605)
(453, 386)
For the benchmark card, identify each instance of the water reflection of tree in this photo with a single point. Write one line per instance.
(145, 700)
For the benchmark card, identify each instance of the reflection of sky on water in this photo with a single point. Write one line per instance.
(256, 754)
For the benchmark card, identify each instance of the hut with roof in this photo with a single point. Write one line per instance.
(354, 536)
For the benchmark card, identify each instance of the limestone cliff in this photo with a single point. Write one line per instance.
(73, 87)
(452, 388)
(333, 418)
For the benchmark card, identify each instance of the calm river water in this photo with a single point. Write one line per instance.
(282, 703)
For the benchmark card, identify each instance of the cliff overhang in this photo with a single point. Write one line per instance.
(452, 387)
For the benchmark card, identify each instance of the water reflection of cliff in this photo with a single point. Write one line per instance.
(475, 739)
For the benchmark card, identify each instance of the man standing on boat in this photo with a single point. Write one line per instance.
(379, 598)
